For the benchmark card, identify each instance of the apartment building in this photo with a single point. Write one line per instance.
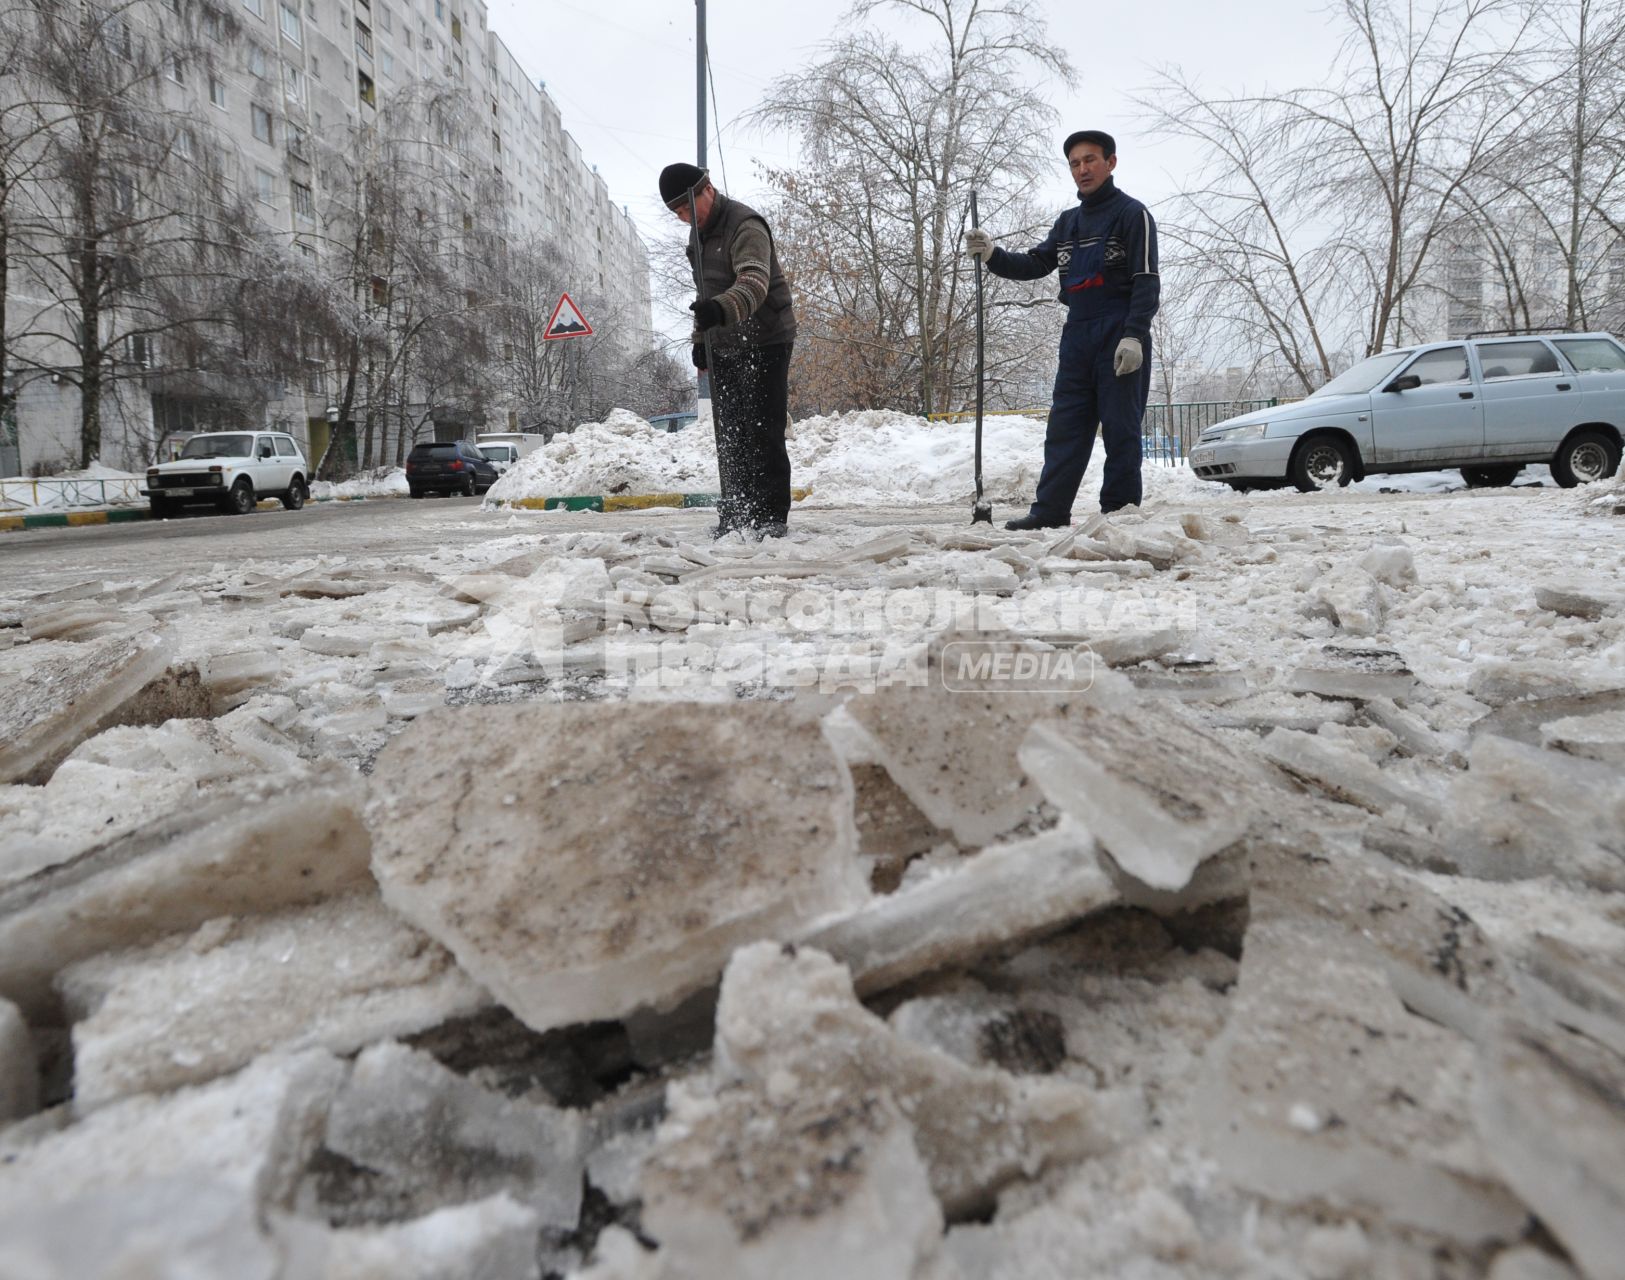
(287, 94)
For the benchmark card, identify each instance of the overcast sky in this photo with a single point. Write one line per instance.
(622, 72)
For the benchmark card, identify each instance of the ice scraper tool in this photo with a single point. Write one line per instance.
(982, 511)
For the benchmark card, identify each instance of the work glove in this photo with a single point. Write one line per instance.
(978, 244)
(707, 314)
(699, 356)
(1129, 357)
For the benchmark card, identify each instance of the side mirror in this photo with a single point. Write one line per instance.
(1410, 382)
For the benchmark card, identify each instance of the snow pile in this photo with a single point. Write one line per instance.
(383, 482)
(872, 456)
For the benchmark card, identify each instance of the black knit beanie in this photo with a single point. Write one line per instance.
(1105, 141)
(677, 180)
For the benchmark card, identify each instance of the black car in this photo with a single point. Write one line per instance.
(453, 466)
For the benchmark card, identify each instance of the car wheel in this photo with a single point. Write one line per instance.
(240, 501)
(161, 508)
(1584, 457)
(1321, 462)
(468, 486)
(296, 495)
(413, 492)
(1497, 477)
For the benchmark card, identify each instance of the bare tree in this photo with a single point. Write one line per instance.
(892, 142)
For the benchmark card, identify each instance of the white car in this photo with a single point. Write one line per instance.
(1488, 406)
(231, 470)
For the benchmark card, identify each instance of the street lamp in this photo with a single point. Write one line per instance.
(332, 415)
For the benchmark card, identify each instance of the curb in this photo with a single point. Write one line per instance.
(126, 515)
(624, 501)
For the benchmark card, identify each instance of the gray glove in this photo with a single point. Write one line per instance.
(1129, 357)
(978, 244)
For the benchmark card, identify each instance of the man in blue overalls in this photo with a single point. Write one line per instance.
(1106, 253)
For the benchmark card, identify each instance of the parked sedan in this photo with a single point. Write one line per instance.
(1488, 406)
(453, 466)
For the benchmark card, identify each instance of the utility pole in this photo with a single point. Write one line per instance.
(699, 82)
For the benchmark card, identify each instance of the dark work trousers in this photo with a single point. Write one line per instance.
(750, 404)
(1087, 392)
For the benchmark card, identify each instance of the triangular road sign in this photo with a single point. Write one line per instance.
(567, 321)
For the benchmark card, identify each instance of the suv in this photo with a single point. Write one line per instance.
(1488, 406)
(231, 470)
(452, 466)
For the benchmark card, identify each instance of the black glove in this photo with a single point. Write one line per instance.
(707, 314)
(699, 356)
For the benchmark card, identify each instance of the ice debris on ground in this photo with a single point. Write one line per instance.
(496, 911)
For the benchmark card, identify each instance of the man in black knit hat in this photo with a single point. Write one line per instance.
(1106, 252)
(744, 308)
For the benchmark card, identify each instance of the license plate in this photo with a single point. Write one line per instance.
(179, 493)
(1201, 455)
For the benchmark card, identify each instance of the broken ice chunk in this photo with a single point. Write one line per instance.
(337, 976)
(1347, 775)
(569, 904)
(250, 846)
(59, 701)
(19, 1071)
(492, 1239)
(1158, 792)
(1394, 566)
(255, 1130)
(1314, 1025)
(1003, 894)
(1550, 1107)
(1573, 602)
(441, 1139)
(1598, 737)
(163, 1227)
(747, 1184)
(790, 1027)
(1347, 671)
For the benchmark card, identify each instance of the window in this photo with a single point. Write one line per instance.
(263, 129)
(123, 192)
(256, 60)
(184, 146)
(303, 206)
(315, 68)
(1437, 367)
(290, 22)
(118, 38)
(294, 83)
(1592, 355)
(386, 61)
(407, 36)
(298, 142)
(139, 348)
(217, 92)
(1515, 359)
(284, 447)
(384, 19)
(456, 28)
(265, 186)
(255, 7)
(174, 70)
(364, 88)
(310, 11)
(363, 38)
(440, 10)
(380, 291)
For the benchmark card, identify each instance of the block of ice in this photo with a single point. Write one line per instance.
(181, 1226)
(1588, 603)
(748, 1184)
(492, 1239)
(1597, 737)
(250, 846)
(790, 1027)
(1159, 793)
(337, 976)
(255, 1131)
(1394, 566)
(571, 905)
(440, 1139)
(1000, 896)
(1550, 1107)
(1347, 671)
(1323, 1088)
(59, 701)
(19, 1071)
(1347, 775)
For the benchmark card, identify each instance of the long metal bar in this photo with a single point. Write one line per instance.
(699, 83)
(981, 510)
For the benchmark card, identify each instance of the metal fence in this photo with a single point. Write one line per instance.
(17, 494)
(1167, 431)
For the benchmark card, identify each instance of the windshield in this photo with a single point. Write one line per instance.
(219, 447)
(497, 452)
(1365, 375)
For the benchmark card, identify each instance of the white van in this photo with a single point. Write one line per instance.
(504, 448)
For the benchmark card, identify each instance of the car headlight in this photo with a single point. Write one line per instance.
(1255, 432)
